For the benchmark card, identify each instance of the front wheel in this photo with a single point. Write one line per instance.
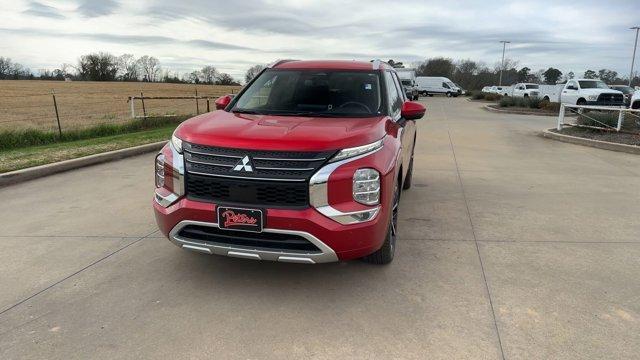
(448, 94)
(385, 254)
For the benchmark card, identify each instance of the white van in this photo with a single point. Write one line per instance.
(429, 85)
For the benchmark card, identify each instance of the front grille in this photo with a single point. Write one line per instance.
(611, 99)
(248, 240)
(268, 178)
(247, 192)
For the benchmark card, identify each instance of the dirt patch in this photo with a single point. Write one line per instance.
(520, 110)
(614, 137)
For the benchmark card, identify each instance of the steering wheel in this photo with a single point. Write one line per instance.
(355, 103)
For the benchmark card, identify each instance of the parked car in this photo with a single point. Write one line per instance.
(585, 92)
(306, 164)
(408, 80)
(628, 92)
(430, 85)
(526, 90)
(461, 91)
(500, 90)
(635, 100)
(486, 89)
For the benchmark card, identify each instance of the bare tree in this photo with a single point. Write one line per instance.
(150, 68)
(128, 69)
(253, 72)
(5, 67)
(226, 79)
(209, 74)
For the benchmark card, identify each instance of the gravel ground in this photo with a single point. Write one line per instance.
(620, 138)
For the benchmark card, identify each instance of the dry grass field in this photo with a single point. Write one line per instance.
(29, 104)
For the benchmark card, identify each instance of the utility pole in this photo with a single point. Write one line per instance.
(504, 45)
(633, 60)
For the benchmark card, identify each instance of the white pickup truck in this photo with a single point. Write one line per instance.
(526, 90)
(582, 92)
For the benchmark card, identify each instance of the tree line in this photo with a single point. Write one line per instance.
(102, 66)
(473, 75)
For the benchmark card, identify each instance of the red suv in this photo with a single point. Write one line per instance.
(304, 165)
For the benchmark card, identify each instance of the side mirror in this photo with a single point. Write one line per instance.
(412, 110)
(222, 102)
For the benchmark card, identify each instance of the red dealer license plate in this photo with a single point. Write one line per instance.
(240, 219)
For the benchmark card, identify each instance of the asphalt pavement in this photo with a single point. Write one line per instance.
(511, 246)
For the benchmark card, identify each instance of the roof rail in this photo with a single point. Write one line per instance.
(280, 62)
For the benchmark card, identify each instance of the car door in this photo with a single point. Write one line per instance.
(407, 127)
(570, 93)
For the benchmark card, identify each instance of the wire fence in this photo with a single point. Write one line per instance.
(62, 106)
(603, 118)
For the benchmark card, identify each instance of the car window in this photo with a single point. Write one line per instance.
(593, 84)
(572, 83)
(444, 85)
(533, 86)
(394, 97)
(313, 92)
(399, 87)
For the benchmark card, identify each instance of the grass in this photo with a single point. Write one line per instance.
(13, 139)
(22, 158)
(29, 103)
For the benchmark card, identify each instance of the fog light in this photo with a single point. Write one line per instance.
(366, 186)
(159, 170)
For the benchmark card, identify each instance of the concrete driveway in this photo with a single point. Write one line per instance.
(512, 246)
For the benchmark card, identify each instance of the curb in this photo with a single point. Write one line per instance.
(14, 177)
(630, 149)
(515, 112)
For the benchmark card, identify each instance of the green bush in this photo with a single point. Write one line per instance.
(492, 97)
(11, 139)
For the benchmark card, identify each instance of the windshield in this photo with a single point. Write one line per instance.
(592, 84)
(406, 82)
(532, 86)
(313, 93)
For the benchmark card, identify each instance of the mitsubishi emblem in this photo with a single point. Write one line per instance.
(244, 165)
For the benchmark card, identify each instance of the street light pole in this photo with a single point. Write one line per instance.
(504, 45)
(633, 60)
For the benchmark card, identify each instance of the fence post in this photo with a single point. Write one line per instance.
(620, 119)
(144, 110)
(197, 105)
(208, 110)
(55, 105)
(561, 117)
(133, 108)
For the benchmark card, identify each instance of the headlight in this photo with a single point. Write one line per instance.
(592, 97)
(177, 143)
(159, 170)
(366, 186)
(358, 150)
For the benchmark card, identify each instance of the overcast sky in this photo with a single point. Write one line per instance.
(233, 35)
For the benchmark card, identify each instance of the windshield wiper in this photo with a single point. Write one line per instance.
(245, 111)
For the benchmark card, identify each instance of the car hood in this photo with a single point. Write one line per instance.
(599, 91)
(271, 132)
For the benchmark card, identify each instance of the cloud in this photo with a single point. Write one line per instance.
(37, 9)
(96, 8)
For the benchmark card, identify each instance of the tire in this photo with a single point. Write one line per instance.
(448, 94)
(525, 96)
(581, 102)
(385, 254)
(546, 98)
(416, 98)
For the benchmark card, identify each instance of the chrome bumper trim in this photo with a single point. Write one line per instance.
(319, 196)
(165, 201)
(326, 254)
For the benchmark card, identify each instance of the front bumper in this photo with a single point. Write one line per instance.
(334, 240)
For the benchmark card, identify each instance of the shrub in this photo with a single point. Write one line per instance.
(477, 95)
(492, 97)
(598, 118)
(11, 139)
(549, 106)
